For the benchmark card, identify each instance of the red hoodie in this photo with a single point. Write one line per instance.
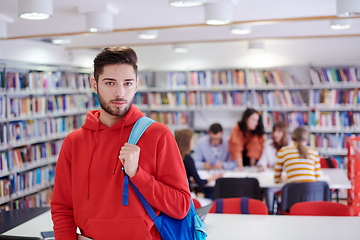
(89, 181)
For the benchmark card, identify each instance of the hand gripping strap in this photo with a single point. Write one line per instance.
(139, 128)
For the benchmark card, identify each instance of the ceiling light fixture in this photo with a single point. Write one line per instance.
(256, 45)
(60, 41)
(180, 48)
(339, 24)
(148, 34)
(99, 17)
(240, 29)
(347, 8)
(218, 13)
(186, 3)
(35, 9)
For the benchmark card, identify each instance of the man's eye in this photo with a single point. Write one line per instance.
(128, 83)
(110, 83)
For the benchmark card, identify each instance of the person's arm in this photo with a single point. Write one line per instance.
(278, 167)
(264, 160)
(198, 156)
(168, 190)
(61, 202)
(236, 146)
(191, 169)
(317, 165)
(255, 147)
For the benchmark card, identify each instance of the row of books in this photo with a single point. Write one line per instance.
(277, 98)
(329, 140)
(39, 199)
(277, 77)
(335, 120)
(22, 182)
(231, 78)
(333, 97)
(30, 156)
(335, 75)
(44, 81)
(39, 106)
(21, 132)
(171, 118)
(292, 119)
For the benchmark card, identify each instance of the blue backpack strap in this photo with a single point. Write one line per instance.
(139, 128)
(219, 205)
(145, 203)
(244, 205)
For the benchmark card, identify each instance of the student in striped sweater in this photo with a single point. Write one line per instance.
(300, 162)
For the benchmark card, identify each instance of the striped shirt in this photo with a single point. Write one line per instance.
(297, 169)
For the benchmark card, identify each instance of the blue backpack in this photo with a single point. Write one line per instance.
(191, 227)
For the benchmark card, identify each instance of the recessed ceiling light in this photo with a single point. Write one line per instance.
(339, 24)
(180, 48)
(186, 3)
(148, 34)
(347, 8)
(35, 9)
(60, 41)
(218, 13)
(240, 29)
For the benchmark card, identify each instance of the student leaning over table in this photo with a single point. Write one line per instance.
(246, 139)
(300, 162)
(211, 150)
(89, 177)
(279, 139)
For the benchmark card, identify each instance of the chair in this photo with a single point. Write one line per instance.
(237, 187)
(196, 202)
(330, 162)
(320, 208)
(239, 206)
(302, 192)
(9, 237)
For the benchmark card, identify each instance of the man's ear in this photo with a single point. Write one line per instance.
(93, 85)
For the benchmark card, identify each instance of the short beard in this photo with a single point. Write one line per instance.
(117, 112)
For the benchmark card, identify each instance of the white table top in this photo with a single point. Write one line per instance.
(335, 177)
(281, 227)
(245, 227)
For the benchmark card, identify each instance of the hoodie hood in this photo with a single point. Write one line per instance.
(93, 123)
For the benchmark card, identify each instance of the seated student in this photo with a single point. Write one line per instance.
(300, 162)
(246, 139)
(211, 151)
(279, 139)
(185, 141)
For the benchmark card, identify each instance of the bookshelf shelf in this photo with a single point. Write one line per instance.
(39, 106)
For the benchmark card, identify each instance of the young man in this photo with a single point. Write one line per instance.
(211, 151)
(89, 178)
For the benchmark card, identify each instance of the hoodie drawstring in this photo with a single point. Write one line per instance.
(91, 158)
(117, 159)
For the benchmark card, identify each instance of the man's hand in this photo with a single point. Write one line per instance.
(129, 157)
(217, 165)
(207, 165)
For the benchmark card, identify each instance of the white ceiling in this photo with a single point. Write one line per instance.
(271, 19)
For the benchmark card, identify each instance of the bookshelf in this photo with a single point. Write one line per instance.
(324, 99)
(335, 108)
(39, 106)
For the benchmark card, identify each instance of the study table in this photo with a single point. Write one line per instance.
(335, 177)
(281, 227)
(244, 227)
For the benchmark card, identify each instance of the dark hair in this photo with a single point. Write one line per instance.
(298, 135)
(284, 140)
(114, 55)
(243, 125)
(215, 128)
(183, 138)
